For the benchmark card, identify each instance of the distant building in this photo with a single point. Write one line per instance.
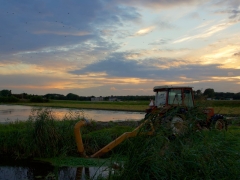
(113, 99)
(97, 99)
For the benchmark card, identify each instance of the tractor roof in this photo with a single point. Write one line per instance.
(170, 87)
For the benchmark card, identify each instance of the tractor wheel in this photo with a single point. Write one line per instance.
(220, 125)
(178, 125)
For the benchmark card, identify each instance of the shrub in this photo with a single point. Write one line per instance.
(8, 99)
(38, 99)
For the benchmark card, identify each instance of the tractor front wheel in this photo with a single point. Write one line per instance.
(220, 125)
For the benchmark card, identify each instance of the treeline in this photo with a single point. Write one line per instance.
(7, 96)
(210, 93)
(72, 96)
(228, 95)
(69, 96)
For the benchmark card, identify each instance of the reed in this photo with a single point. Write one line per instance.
(44, 136)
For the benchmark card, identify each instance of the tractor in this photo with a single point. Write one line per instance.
(180, 101)
(173, 108)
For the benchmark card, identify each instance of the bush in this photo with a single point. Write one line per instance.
(8, 99)
(38, 99)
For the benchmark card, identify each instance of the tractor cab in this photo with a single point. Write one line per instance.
(173, 95)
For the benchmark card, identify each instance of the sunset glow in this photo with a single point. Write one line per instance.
(119, 47)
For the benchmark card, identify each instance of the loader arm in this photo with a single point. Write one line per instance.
(112, 144)
(119, 140)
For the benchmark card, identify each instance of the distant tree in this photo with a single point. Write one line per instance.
(209, 93)
(71, 96)
(6, 96)
(236, 96)
(198, 92)
(55, 96)
(5, 93)
(36, 99)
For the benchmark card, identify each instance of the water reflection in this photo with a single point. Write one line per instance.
(36, 170)
(11, 113)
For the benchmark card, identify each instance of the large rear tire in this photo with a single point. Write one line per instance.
(220, 125)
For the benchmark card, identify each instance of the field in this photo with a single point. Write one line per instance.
(103, 105)
(220, 106)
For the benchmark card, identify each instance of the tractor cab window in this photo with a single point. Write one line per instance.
(188, 101)
(175, 96)
(160, 98)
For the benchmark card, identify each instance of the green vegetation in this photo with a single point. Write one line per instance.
(209, 93)
(193, 155)
(225, 107)
(38, 99)
(199, 155)
(6, 96)
(43, 136)
(104, 105)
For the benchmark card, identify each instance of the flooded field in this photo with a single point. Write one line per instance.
(11, 113)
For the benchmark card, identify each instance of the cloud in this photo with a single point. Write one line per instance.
(237, 54)
(42, 24)
(144, 31)
(233, 13)
(160, 42)
(160, 68)
(206, 33)
(76, 45)
(113, 88)
(194, 15)
(159, 4)
(119, 74)
(80, 33)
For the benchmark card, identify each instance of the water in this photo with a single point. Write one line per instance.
(16, 170)
(11, 113)
(24, 170)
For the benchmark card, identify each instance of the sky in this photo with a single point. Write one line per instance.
(118, 47)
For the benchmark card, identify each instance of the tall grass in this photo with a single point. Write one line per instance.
(43, 135)
(200, 155)
(193, 154)
(40, 136)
